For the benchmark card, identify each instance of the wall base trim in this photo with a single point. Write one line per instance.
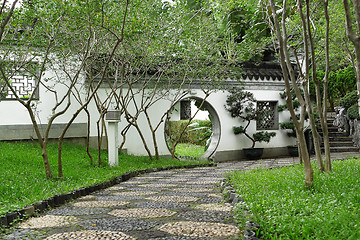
(238, 155)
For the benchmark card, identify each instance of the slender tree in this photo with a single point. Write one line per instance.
(353, 33)
(280, 31)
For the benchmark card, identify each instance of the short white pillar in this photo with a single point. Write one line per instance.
(113, 118)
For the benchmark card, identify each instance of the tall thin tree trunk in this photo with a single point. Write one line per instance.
(43, 143)
(316, 137)
(326, 90)
(288, 72)
(309, 173)
(153, 133)
(88, 137)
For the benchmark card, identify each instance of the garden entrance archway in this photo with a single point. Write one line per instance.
(215, 122)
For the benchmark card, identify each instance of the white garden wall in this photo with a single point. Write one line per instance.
(14, 114)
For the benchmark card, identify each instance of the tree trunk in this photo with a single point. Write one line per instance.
(309, 174)
(43, 144)
(354, 37)
(88, 137)
(288, 72)
(326, 90)
(314, 131)
(309, 50)
(46, 161)
(153, 133)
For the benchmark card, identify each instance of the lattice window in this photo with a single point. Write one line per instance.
(185, 110)
(24, 85)
(268, 116)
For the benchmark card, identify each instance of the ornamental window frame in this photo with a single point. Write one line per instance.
(271, 121)
(17, 80)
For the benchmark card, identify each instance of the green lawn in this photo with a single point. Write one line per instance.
(23, 179)
(285, 209)
(189, 150)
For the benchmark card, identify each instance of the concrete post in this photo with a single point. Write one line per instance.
(113, 118)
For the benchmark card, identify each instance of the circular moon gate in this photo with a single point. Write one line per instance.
(216, 127)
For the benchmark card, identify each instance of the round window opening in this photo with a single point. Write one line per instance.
(192, 129)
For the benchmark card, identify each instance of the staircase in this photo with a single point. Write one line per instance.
(340, 142)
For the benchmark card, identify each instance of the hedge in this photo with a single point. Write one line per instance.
(188, 136)
(349, 99)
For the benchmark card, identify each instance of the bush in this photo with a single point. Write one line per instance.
(263, 136)
(349, 99)
(353, 112)
(188, 136)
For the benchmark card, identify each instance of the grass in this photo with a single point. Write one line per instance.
(189, 150)
(23, 179)
(285, 209)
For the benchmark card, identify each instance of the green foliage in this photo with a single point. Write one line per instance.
(240, 26)
(203, 131)
(289, 126)
(286, 209)
(349, 99)
(24, 182)
(238, 129)
(340, 83)
(263, 136)
(241, 104)
(197, 132)
(353, 112)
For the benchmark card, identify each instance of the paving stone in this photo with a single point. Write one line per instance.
(223, 207)
(206, 216)
(90, 235)
(168, 205)
(77, 211)
(115, 188)
(177, 199)
(118, 198)
(118, 224)
(200, 229)
(24, 234)
(211, 200)
(190, 189)
(105, 204)
(49, 221)
(142, 213)
(178, 238)
(158, 185)
(134, 193)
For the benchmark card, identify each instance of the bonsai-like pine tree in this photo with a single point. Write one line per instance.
(241, 104)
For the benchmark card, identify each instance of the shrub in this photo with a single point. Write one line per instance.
(263, 136)
(353, 112)
(193, 137)
(241, 104)
(349, 99)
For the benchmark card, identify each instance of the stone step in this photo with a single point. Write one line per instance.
(337, 134)
(332, 129)
(344, 149)
(341, 144)
(340, 139)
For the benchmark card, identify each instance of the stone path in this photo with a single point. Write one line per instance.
(173, 205)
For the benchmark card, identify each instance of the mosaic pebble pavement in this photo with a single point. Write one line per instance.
(180, 204)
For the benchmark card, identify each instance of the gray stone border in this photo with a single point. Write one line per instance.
(232, 197)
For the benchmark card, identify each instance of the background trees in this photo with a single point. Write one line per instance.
(142, 51)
